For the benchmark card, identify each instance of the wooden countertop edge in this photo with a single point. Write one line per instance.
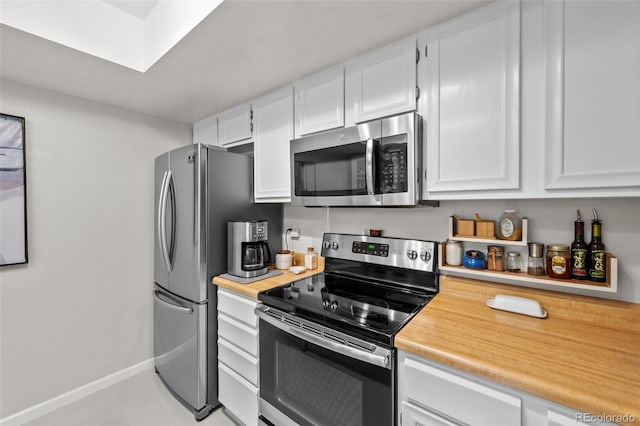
(605, 315)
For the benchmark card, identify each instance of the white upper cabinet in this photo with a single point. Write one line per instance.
(235, 126)
(273, 119)
(319, 102)
(593, 95)
(471, 102)
(206, 131)
(381, 83)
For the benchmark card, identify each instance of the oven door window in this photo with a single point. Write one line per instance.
(313, 385)
(334, 171)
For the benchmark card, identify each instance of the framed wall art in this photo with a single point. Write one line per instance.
(13, 191)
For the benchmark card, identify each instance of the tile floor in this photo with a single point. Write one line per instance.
(141, 400)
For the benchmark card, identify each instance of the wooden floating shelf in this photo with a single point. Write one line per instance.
(610, 286)
(520, 243)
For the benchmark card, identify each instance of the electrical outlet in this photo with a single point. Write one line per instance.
(295, 233)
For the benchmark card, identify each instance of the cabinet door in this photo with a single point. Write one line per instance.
(234, 126)
(593, 94)
(273, 118)
(206, 131)
(472, 102)
(319, 102)
(381, 83)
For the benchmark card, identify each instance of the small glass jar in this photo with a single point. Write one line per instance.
(495, 258)
(558, 261)
(453, 253)
(513, 261)
(510, 226)
(311, 259)
(536, 264)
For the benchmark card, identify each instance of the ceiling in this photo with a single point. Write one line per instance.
(241, 50)
(139, 8)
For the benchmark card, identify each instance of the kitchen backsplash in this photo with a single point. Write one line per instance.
(550, 221)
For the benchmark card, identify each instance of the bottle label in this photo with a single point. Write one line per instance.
(598, 265)
(579, 263)
(558, 265)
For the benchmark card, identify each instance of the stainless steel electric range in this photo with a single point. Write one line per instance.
(326, 342)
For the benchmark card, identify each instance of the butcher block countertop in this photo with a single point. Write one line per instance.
(585, 354)
(256, 287)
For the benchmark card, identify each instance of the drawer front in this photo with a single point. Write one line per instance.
(238, 360)
(238, 396)
(412, 415)
(241, 335)
(459, 398)
(238, 307)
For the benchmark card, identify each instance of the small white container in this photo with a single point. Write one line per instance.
(284, 259)
(453, 254)
(311, 259)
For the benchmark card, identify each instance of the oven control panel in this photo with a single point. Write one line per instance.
(418, 255)
(374, 249)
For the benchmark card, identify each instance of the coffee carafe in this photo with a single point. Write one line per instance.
(248, 251)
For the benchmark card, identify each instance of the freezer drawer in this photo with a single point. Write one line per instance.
(180, 354)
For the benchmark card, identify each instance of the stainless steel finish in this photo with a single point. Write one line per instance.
(170, 301)
(273, 415)
(408, 123)
(402, 253)
(180, 336)
(369, 166)
(198, 202)
(241, 233)
(327, 337)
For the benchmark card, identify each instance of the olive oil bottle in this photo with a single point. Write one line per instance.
(579, 250)
(597, 255)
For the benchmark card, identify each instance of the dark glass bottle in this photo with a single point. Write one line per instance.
(597, 254)
(579, 251)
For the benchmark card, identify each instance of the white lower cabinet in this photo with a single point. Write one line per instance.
(238, 374)
(433, 394)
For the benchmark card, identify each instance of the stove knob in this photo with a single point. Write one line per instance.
(326, 303)
(425, 255)
(326, 244)
(335, 245)
(412, 254)
(334, 305)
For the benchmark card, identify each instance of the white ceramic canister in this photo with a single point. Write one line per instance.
(284, 259)
(453, 253)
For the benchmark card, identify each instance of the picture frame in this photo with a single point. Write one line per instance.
(13, 191)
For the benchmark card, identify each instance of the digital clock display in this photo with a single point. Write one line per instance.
(372, 249)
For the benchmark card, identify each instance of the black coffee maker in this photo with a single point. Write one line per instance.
(247, 251)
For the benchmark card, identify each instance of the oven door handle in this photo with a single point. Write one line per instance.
(378, 356)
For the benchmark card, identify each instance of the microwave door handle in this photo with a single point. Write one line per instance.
(369, 166)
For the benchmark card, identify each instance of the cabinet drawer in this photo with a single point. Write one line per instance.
(238, 307)
(238, 396)
(413, 415)
(459, 398)
(238, 360)
(241, 335)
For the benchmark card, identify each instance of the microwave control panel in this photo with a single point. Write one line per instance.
(394, 168)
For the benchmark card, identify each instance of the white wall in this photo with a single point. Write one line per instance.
(550, 221)
(81, 309)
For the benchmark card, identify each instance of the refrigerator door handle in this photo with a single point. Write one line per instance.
(170, 302)
(171, 193)
(162, 226)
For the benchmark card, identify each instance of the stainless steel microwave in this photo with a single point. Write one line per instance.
(371, 164)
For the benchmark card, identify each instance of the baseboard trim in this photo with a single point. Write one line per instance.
(74, 395)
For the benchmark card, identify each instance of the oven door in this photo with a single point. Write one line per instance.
(311, 378)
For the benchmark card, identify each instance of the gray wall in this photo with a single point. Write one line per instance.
(81, 309)
(550, 221)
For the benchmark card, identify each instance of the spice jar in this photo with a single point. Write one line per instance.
(453, 253)
(558, 261)
(513, 261)
(495, 258)
(536, 261)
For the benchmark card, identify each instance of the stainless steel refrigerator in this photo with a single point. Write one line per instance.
(197, 190)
